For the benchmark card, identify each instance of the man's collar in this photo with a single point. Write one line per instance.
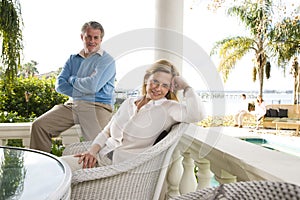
(100, 52)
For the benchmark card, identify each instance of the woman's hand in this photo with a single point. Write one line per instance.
(178, 83)
(87, 158)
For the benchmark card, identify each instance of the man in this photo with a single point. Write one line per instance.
(88, 79)
(243, 109)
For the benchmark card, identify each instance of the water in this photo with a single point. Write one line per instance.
(226, 103)
(287, 145)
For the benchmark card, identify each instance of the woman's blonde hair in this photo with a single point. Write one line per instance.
(161, 66)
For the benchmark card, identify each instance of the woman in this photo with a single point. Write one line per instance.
(260, 110)
(139, 121)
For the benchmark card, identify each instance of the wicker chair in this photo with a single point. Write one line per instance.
(249, 190)
(140, 178)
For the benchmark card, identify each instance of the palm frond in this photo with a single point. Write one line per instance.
(285, 39)
(255, 16)
(230, 51)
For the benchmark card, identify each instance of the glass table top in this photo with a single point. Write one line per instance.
(28, 174)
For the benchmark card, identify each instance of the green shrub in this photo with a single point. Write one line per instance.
(57, 147)
(28, 98)
(12, 117)
(15, 143)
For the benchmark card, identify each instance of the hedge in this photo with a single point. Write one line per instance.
(27, 98)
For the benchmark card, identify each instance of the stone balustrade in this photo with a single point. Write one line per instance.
(22, 131)
(228, 159)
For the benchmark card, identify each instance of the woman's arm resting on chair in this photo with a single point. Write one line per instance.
(89, 157)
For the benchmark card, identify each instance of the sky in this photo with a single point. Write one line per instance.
(52, 32)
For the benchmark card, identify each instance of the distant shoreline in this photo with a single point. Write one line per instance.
(248, 91)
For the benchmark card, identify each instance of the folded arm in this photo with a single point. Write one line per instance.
(102, 73)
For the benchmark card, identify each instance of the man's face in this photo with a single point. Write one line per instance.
(91, 40)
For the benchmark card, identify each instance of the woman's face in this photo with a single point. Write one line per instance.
(158, 85)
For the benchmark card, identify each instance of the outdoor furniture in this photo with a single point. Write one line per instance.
(247, 191)
(30, 174)
(280, 111)
(287, 124)
(138, 178)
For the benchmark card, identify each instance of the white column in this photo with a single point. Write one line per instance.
(169, 24)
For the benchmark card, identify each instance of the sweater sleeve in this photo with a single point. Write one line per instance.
(103, 72)
(62, 84)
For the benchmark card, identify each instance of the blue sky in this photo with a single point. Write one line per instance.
(52, 33)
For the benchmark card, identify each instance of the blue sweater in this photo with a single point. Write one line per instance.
(89, 79)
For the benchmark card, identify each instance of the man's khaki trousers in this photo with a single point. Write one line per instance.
(91, 116)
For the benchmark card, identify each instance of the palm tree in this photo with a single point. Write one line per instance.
(286, 38)
(11, 24)
(295, 73)
(29, 69)
(286, 44)
(257, 19)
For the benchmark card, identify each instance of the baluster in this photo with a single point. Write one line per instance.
(174, 174)
(204, 174)
(26, 142)
(225, 177)
(188, 181)
(3, 142)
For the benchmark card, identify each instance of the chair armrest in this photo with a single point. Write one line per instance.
(78, 147)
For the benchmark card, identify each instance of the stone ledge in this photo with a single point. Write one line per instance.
(22, 131)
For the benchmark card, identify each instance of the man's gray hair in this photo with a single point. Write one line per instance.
(94, 25)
